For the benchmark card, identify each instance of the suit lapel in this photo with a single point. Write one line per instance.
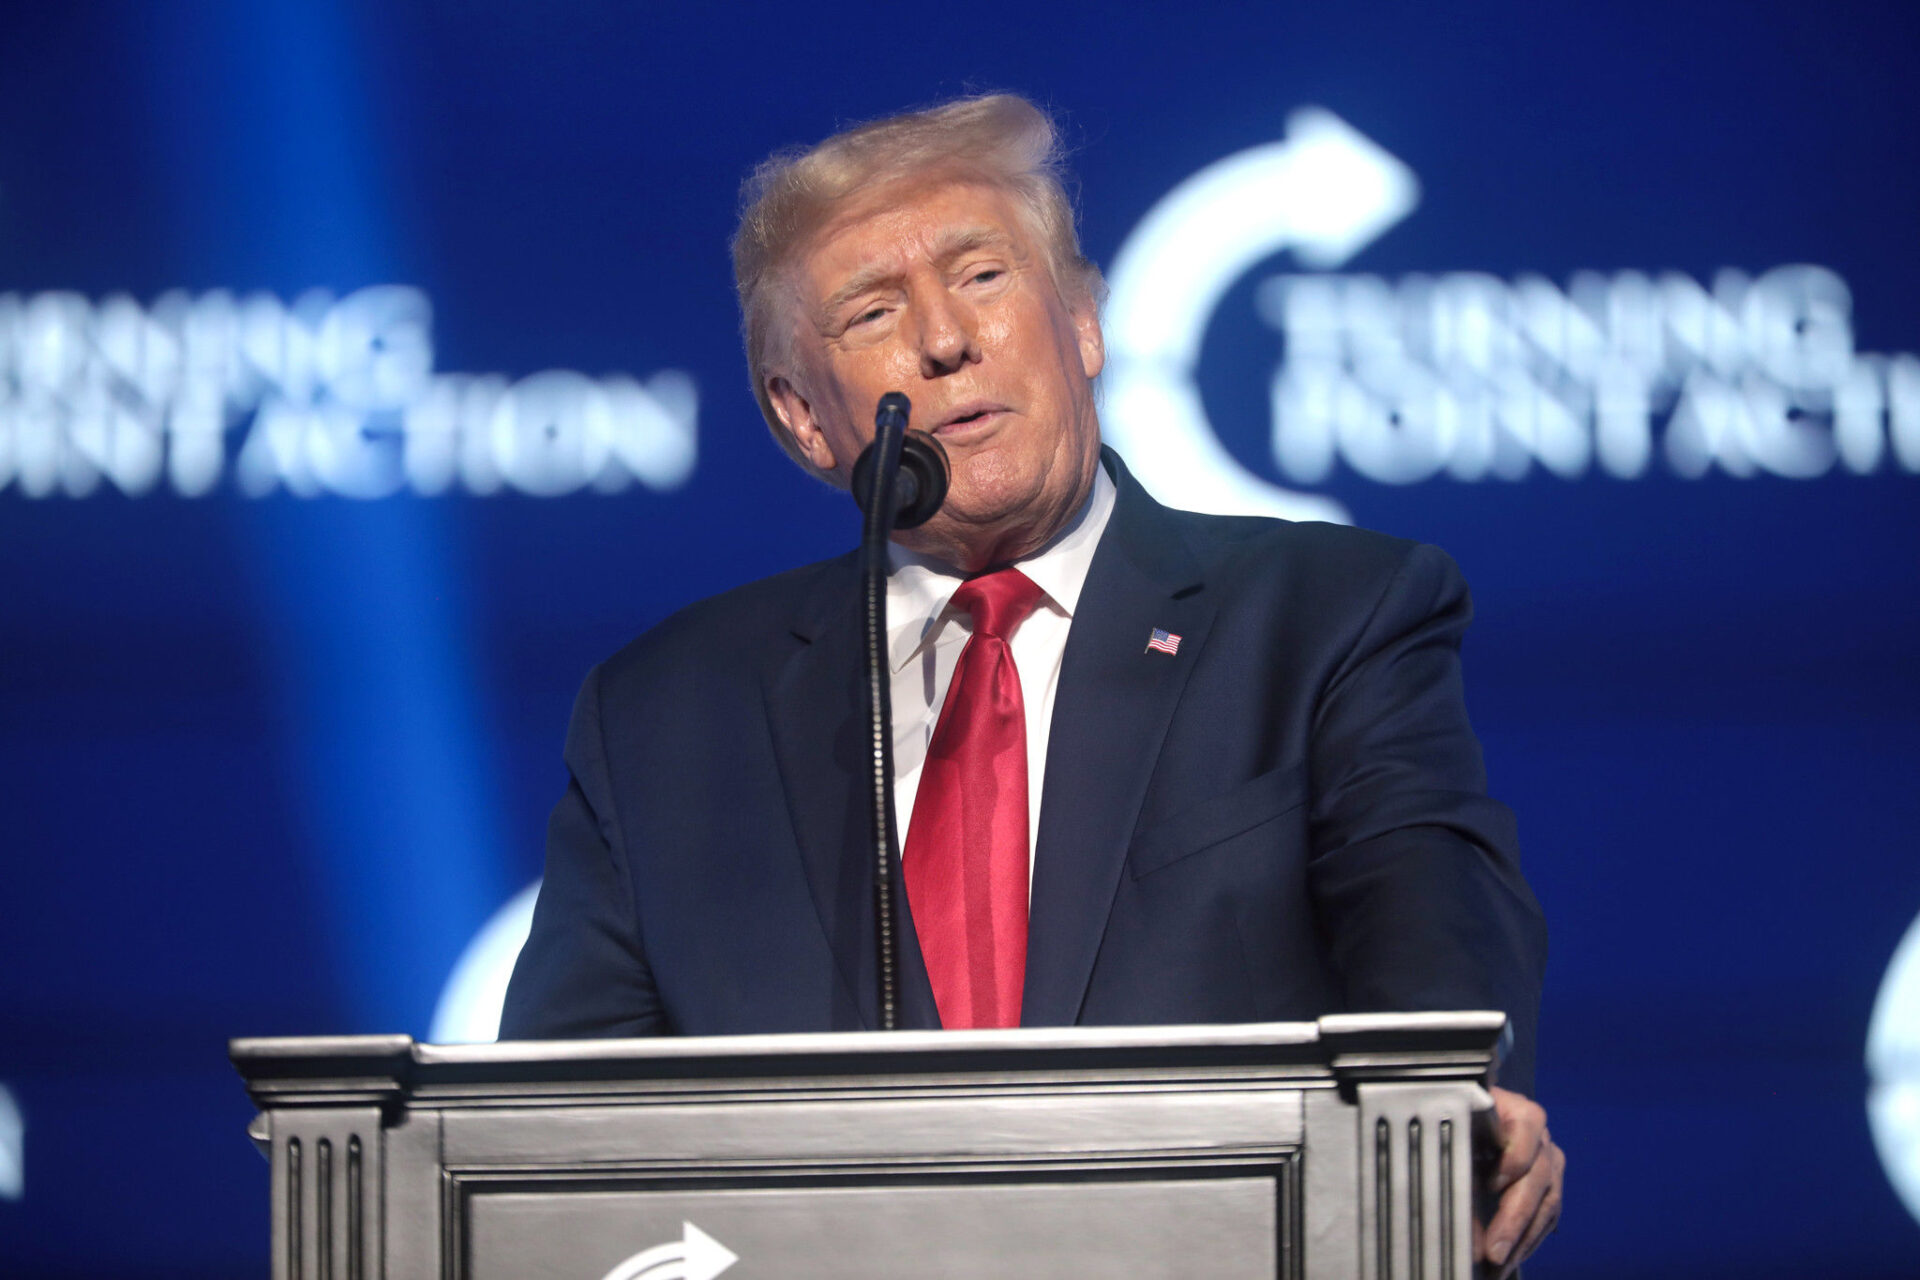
(817, 716)
(1110, 716)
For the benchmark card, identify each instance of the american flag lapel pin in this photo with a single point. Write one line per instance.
(1164, 641)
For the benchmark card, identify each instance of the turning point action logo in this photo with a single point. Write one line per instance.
(1463, 374)
(324, 396)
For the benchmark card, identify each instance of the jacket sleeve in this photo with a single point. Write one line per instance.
(583, 972)
(1415, 874)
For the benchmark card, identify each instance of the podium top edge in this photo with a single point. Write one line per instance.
(372, 1046)
(812, 1044)
(1332, 1035)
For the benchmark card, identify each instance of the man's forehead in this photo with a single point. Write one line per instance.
(889, 234)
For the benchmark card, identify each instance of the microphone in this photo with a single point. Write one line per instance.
(921, 483)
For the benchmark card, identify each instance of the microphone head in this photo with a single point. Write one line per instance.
(892, 404)
(921, 485)
(923, 459)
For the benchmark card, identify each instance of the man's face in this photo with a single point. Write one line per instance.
(943, 292)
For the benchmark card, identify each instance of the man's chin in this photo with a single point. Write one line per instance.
(973, 540)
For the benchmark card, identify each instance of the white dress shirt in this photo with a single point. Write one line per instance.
(925, 637)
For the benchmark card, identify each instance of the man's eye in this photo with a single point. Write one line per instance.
(988, 276)
(868, 316)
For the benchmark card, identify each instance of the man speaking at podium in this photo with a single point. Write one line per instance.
(1153, 767)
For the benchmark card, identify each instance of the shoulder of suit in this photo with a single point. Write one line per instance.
(1224, 545)
(734, 630)
(1324, 577)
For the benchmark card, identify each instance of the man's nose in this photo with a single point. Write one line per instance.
(947, 338)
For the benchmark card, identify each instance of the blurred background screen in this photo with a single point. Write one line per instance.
(370, 370)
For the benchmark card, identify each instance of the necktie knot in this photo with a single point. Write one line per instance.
(998, 601)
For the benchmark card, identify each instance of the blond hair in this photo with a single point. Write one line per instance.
(998, 139)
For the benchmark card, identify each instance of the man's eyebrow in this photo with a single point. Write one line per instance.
(965, 241)
(953, 245)
(862, 281)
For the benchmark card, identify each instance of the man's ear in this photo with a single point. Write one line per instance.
(796, 415)
(1093, 344)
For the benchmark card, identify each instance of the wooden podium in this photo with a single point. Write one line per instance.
(1332, 1150)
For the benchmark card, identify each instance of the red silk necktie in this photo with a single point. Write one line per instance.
(966, 858)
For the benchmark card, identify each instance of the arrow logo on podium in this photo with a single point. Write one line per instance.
(695, 1256)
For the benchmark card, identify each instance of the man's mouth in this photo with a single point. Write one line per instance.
(967, 415)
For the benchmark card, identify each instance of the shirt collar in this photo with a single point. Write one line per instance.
(920, 587)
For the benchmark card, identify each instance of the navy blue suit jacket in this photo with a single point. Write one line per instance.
(1286, 818)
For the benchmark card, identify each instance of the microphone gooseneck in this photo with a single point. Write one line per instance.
(899, 481)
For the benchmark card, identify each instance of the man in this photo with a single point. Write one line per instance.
(1159, 767)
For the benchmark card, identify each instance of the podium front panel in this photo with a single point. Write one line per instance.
(1226, 1228)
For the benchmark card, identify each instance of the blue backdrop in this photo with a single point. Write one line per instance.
(349, 351)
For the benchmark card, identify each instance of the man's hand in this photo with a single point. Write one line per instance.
(1526, 1184)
